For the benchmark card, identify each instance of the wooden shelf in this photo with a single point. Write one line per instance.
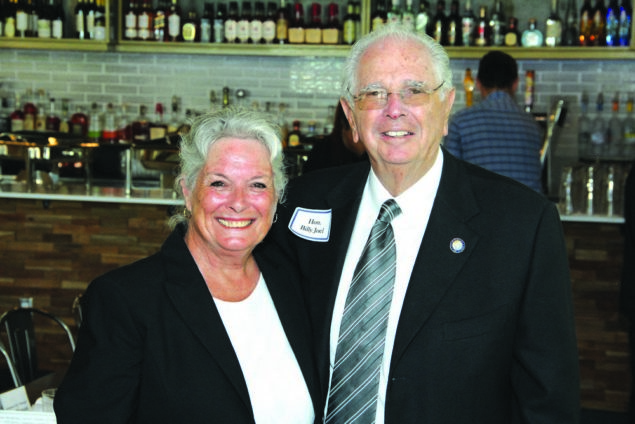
(44, 44)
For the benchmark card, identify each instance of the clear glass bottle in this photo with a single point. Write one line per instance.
(614, 130)
(205, 25)
(468, 85)
(532, 37)
(553, 26)
(468, 21)
(613, 24)
(408, 16)
(584, 127)
(598, 129)
(497, 25)
(625, 28)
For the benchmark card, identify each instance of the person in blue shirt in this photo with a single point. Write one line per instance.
(497, 134)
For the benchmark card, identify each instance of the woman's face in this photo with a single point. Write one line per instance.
(233, 201)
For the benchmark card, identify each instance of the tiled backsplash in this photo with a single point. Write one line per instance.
(307, 84)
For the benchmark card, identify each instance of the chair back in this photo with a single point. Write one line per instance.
(10, 365)
(18, 325)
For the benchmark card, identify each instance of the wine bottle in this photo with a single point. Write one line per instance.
(598, 28)
(570, 35)
(497, 25)
(89, 19)
(282, 24)
(243, 23)
(481, 28)
(174, 22)
(190, 31)
(231, 23)
(379, 16)
(332, 30)
(467, 25)
(145, 18)
(219, 23)
(586, 23)
(130, 20)
(205, 23)
(256, 24)
(553, 26)
(296, 26)
(408, 16)
(313, 32)
(269, 24)
(438, 26)
(348, 25)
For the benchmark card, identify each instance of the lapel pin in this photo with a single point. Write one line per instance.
(457, 245)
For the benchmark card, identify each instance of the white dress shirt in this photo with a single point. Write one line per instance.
(415, 204)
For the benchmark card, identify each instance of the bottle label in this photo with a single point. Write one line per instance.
(296, 35)
(58, 29)
(348, 33)
(206, 31)
(230, 30)
(144, 26)
(21, 21)
(377, 23)
(467, 30)
(314, 36)
(174, 25)
(242, 30)
(90, 23)
(131, 25)
(43, 28)
(331, 36)
(282, 30)
(9, 27)
(269, 31)
(219, 30)
(511, 39)
(255, 31)
(452, 33)
(100, 33)
(189, 32)
(553, 33)
(17, 125)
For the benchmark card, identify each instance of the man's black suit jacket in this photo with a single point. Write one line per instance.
(485, 335)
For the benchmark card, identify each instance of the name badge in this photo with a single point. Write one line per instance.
(311, 224)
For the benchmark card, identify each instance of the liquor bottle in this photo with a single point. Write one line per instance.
(174, 22)
(78, 124)
(453, 35)
(219, 23)
(481, 28)
(141, 126)
(296, 25)
(357, 10)
(190, 31)
(497, 25)
(21, 19)
(206, 23)
(598, 28)
(175, 120)
(32, 18)
(159, 21)
(100, 21)
(570, 34)
(423, 18)
(512, 38)
(408, 16)
(64, 126)
(257, 21)
(628, 126)
(145, 18)
(269, 24)
(158, 126)
(598, 129)
(530, 90)
(225, 101)
(124, 127)
(313, 31)
(553, 26)
(243, 23)
(89, 19)
(626, 16)
(130, 21)
(45, 15)
(295, 135)
(438, 26)
(614, 130)
(613, 24)
(468, 85)
(586, 23)
(109, 129)
(95, 126)
(584, 127)
(282, 24)
(394, 14)
(40, 117)
(231, 23)
(332, 32)
(468, 22)
(30, 111)
(16, 118)
(348, 24)
(379, 16)
(532, 37)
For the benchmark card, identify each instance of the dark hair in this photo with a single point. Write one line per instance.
(497, 70)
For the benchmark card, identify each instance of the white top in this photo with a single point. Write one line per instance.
(277, 389)
(415, 204)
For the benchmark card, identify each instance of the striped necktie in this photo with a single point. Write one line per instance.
(360, 347)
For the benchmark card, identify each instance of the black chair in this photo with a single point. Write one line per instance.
(20, 330)
(10, 365)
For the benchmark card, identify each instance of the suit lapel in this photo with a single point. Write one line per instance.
(438, 262)
(191, 298)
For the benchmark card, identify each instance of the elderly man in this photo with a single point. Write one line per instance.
(459, 310)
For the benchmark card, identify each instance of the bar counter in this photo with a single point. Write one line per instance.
(52, 244)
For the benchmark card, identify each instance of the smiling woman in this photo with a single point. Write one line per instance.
(214, 307)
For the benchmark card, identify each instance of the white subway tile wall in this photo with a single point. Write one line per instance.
(307, 85)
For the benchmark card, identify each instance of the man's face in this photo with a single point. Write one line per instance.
(398, 134)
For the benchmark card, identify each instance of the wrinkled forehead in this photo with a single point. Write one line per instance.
(395, 63)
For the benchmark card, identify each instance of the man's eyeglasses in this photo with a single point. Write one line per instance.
(377, 98)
